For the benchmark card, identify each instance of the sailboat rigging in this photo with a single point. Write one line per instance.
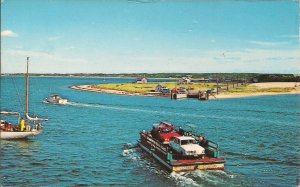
(29, 127)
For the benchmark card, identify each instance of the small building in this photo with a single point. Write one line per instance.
(141, 80)
(254, 80)
(184, 80)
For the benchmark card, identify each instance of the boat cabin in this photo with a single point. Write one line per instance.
(55, 97)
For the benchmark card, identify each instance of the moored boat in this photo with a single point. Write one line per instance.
(179, 93)
(180, 150)
(56, 99)
(26, 127)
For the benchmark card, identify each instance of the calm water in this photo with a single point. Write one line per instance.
(85, 143)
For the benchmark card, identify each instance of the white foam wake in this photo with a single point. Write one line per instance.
(183, 180)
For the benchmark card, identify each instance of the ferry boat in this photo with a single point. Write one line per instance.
(56, 99)
(27, 127)
(180, 150)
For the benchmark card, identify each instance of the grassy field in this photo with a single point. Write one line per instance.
(144, 88)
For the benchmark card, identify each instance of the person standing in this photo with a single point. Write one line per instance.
(22, 124)
(27, 126)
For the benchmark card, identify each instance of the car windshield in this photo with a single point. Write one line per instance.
(185, 142)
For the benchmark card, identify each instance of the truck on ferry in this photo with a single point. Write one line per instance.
(180, 150)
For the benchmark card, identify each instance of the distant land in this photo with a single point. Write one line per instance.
(258, 77)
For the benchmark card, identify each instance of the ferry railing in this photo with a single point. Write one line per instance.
(154, 143)
(162, 151)
(212, 148)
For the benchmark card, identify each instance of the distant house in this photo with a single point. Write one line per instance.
(202, 79)
(254, 80)
(141, 80)
(162, 89)
(184, 80)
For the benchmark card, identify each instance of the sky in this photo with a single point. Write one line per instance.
(150, 36)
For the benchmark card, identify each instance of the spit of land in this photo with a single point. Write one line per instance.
(246, 90)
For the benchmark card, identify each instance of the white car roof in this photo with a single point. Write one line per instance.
(185, 138)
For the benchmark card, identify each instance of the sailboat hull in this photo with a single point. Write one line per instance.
(7, 135)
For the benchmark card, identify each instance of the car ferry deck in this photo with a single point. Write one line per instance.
(175, 161)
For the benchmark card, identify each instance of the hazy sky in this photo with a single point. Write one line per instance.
(93, 36)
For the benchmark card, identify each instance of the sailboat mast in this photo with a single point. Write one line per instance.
(27, 86)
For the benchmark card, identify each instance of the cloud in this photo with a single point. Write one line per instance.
(268, 44)
(257, 55)
(8, 33)
(68, 48)
(41, 54)
(53, 38)
(244, 60)
(195, 21)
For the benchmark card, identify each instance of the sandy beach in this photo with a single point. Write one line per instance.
(219, 96)
(262, 86)
(277, 84)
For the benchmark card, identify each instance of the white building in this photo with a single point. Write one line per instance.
(141, 80)
(184, 80)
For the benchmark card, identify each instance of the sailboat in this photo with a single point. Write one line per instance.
(28, 127)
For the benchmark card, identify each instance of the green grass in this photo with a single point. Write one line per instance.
(144, 88)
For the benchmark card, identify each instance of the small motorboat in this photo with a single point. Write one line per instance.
(56, 99)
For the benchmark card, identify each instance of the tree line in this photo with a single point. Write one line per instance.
(255, 77)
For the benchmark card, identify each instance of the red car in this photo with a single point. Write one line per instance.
(165, 132)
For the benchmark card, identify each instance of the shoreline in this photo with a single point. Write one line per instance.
(220, 96)
(93, 77)
(107, 91)
(232, 96)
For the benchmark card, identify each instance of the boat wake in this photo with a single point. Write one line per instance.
(135, 157)
(64, 104)
(182, 180)
(102, 106)
(128, 151)
(123, 108)
(260, 160)
(157, 112)
(204, 178)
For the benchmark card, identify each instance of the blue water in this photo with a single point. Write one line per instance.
(92, 141)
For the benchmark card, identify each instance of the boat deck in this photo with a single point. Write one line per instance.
(176, 163)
